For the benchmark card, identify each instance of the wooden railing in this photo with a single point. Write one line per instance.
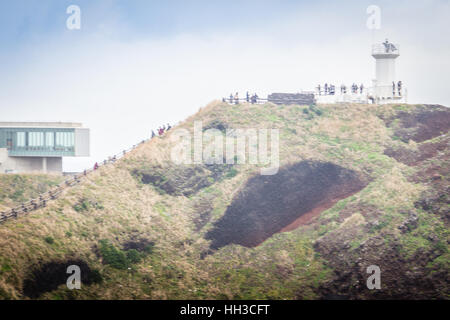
(244, 100)
(53, 194)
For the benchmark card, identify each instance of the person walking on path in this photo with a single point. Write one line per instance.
(332, 89)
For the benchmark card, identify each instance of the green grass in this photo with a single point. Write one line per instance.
(49, 240)
(122, 259)
(113, 256)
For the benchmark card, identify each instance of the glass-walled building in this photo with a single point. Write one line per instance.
(39, 147)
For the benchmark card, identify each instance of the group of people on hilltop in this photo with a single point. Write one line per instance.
(235, 98)
(399, 88)
(330, 89)
(355, 88)
(161, 130)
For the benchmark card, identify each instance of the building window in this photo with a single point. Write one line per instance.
(21, 139)
(35, 139)
(65, 139)
(50, 139)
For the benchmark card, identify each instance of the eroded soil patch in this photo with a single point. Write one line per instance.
(435, 172)
(140, 245)
(50, 276)
(268, 204)
(203, 208)
(425, 151)
(216, 124)
(421, 124)
(183, 179)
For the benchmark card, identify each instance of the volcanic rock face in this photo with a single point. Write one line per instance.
(414, 276)
(267, 204)
(399, 279)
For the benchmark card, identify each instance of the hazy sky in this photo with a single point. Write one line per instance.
(136, 64)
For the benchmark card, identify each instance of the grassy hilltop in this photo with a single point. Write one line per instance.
(358, 185)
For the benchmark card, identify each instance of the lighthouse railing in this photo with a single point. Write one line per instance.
(388, 93)
(383, 48)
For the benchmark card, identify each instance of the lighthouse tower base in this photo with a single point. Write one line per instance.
(386, 88)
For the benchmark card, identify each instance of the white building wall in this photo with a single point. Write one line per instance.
(385, 76)
(28, 164)
(385, 71)
(82, 142)
(4, 163)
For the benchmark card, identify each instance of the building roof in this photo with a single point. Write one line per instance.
(40, 125)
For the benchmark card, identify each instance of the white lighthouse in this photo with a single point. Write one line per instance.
(386, 87)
